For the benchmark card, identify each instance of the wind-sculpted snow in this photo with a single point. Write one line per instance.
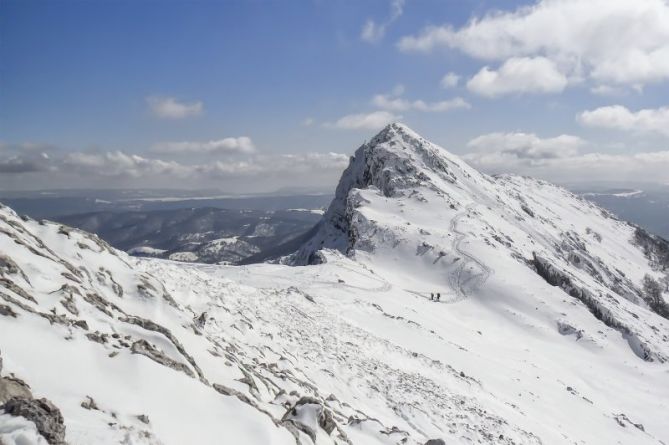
(543, 333)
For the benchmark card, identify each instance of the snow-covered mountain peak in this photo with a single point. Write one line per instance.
(407, 207)
(398, 158)
(395, 163)
(449, 307)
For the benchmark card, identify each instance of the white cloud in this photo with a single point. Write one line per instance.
(24, 163)
(239, 145)
(558, 159)
(373, 32)
(389, 105)
(365, 121)
(641, 167)
(121, 169)
(392, 103)
(450, 80)
(308, 121)
(518, 75)
(607, 90)
(171, 108)
(607, 41)
(619, 117)
(118, 164)
(526, 145)
(26, 157)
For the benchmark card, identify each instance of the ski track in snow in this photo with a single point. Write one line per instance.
(456, 280)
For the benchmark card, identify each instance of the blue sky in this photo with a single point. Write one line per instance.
(90, 87)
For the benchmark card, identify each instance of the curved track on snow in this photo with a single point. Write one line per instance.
(457, 280)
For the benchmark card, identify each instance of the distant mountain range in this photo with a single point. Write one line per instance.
(61, 203)
(206, 235)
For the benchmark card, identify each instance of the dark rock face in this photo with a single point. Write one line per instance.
(435, 442)
(655, 247)
(44, 414)
(316, 258)
(559, 278)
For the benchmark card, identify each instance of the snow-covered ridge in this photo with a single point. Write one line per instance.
(392, 162)
(550, 328)
(404, 197)
(94, 348)
(123, 361)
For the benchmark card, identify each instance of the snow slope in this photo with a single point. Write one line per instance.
(81, 320)
(543, 334)
(407, 205)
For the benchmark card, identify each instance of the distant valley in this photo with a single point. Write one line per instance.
(198, 226)
(205, 235)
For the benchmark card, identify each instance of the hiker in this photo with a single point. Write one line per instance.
(438, 296)
(431, 296)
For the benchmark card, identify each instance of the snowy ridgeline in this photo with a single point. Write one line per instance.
(551, 327)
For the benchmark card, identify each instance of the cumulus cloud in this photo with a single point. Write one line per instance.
(641, 167)
(118, 168)
(607, 90)
(24, 164)
(239, 145)
(25, 157)
(519, 75)
(373, 32)
(394, 103)
(559, 159)
(652, 120)
(450, 80)
(365, 121)
(607, 41)
(390, 104)
(526, 145)
(171, 108)
(118, 164)
(285, 165)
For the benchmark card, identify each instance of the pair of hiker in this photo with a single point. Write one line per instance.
(438, 298)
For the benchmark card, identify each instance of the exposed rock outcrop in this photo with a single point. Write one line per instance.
(44, 414)
(307, 415)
